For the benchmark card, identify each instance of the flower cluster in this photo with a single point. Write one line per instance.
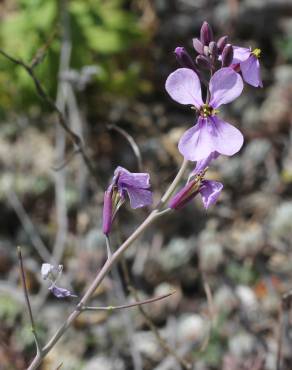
(222, 68)
(212, 79)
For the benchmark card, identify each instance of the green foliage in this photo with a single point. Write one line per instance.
(102, 33)
(9, 309)
(217, 343)
(241, 273)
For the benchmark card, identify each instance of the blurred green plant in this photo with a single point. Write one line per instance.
(102, 34)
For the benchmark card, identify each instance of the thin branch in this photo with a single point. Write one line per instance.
(22, 274)
(132, 143)
(129, 305)
(28, 226)
(75, 139)
(102, 273)
(108, 247)
(66, 161)
(163, 343)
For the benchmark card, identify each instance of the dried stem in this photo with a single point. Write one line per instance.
(22, 274)
(132, 143)
(106, 268)
(129, 305)
(75, 139)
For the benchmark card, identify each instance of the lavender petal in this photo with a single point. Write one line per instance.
(250, 70)
(226, 139)
(183, 85)
(210, 191)
(197, 142)
(139, 197)
(240, 54)
(225, 86)
(60, 292)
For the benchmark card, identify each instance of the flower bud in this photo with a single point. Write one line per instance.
(227, 55)
(221, 43)
(206, 34)
(213, 50)
(198, 46)
(184, 58)
(203, 62)
(187, 193)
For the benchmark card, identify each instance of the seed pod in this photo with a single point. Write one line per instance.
(227, 55)
(206, 34)
(198, 46)
(221, 43)
(203, 62)
(184, 58)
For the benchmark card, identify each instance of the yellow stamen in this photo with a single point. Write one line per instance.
(257, 52)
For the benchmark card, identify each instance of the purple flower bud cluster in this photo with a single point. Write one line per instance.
(222, 68)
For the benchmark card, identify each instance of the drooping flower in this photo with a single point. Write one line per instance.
(197, 184)
(135, 185)
(211, 133)
(249, 64)
(53, 273)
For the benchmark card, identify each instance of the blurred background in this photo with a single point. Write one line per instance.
(105, 63)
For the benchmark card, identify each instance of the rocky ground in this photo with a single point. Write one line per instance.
(229, 266)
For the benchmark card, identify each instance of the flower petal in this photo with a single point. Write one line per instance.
(183, 85)
(201, 165)
(225, 86)
(60, 292)
(250, 70)
(127, 178)
(240, 54)
(210, 135)
(210, 191)
(139, 197)
(227, 139)
(197, 142)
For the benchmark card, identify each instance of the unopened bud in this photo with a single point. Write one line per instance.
(187, 193)
(203, 62)
(227, 55)
(206, 34)
(221, 43)
(184, 58)
(213, 50)
(198, 46)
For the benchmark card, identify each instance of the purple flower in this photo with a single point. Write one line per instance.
(249, 65)
(60, 292)
(210, 134)
(135, 185)
(53, 273)
(208, 189)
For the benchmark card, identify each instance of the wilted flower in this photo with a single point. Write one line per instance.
(248, 61)
(135, 185)
(53, 273)
(210, 134)
(208, 189)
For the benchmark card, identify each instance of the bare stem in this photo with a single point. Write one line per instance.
(129, 305)
(156, 213)
(174, 184)
(22, 274)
